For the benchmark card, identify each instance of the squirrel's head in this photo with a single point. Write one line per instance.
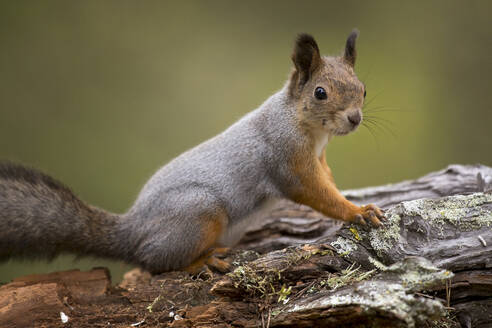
(327, 93)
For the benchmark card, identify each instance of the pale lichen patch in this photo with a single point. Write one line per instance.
(389, 292)
(395, 300)
(344, 246)
(463, 211)
(417, 273)
(378, 265)
(384, 238)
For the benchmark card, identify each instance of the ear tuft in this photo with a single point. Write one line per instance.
(306, 56)
(350, 52)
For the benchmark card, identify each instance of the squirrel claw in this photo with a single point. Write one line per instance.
(205, 271)
(217, 264)
(375, 220)
(360, 220)
(372, 213)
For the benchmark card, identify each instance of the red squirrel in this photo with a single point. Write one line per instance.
(205, 198)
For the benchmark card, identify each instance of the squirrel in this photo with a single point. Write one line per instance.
(203, 200)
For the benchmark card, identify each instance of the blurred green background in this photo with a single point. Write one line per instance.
(100, 94)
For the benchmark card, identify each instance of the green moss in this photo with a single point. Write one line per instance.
(283, 294)
(244, 257)
(347, 276)
(154, 302)
(266, 281)
(354, 231)
(255, 281)
(262, 279)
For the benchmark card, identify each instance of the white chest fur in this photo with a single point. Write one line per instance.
(320, 141)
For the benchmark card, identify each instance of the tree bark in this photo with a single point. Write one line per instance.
(429, 266)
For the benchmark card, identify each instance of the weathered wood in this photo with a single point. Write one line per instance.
(453, 180)
(384, 301)
(293, 224)
(81, 286)
(20, 306)
(321, 293)
(35, 299)
(299, 269)
(454, 232)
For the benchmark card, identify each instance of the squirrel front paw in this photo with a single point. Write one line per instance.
(370, 212)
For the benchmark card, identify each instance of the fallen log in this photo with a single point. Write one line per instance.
(293, 224)
(43, 298)
(429, 266)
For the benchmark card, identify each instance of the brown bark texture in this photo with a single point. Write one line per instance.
(429, 266)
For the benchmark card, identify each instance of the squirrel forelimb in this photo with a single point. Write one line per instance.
(207, 197)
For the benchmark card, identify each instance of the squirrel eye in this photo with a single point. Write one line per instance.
(320, 93)
(364, 93)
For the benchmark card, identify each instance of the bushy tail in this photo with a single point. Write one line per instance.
(40, 217)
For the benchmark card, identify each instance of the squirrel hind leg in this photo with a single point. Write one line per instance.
(184, 241)
(211, 261)
(218, 264)
(212, 227)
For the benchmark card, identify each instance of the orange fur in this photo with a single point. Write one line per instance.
(317, 189)
(314, 184)
(212, 228)
(325, 166)
(210, 260)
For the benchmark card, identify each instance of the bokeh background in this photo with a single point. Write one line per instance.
(100, 94)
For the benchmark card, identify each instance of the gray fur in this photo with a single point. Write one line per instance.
(240, 172)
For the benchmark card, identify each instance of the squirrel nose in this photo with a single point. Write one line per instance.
(355, 118)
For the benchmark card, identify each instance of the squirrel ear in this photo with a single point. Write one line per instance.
(306, 57)
(350, 52)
